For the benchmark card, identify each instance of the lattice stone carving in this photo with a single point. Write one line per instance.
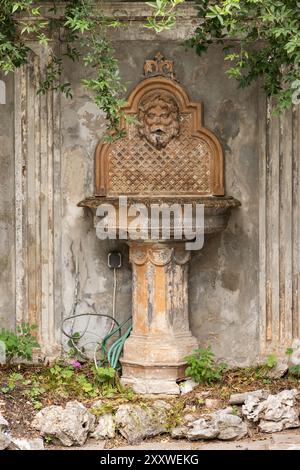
(181, 158)
(136, 167)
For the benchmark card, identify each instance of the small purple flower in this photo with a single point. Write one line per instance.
(75, 364)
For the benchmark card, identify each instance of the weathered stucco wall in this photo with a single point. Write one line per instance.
(7, 293)
(83, 124)
(243, 285)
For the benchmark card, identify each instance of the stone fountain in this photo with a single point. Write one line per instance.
(166, 157)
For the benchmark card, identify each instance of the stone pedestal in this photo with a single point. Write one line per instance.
(154, 354)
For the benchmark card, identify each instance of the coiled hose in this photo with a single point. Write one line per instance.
(115, 350)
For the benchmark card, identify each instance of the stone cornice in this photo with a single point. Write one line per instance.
(123, 11)
(133, 16)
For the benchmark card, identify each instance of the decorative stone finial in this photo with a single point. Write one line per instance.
(159, 66)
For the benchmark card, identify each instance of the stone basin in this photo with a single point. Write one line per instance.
(216, 208)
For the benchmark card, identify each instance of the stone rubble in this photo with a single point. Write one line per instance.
(187, 386)
(202, 429)
(4, 436)
(212, 403)
(222, 424)
(105, 428)
(230, 425)
(179, 432)
(251, 408)
(240, 398)
(275, 413)
(136, 422)
(70, 425)
(280, 410)
(27, 444)
(279, 370)
(4, 440)
(3, 423)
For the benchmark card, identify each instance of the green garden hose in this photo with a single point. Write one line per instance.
(116, 348)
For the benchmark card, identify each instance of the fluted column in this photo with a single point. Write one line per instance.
(279, 230)
(37, 203)
(154, 353)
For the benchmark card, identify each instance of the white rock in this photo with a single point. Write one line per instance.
(225, 411)
(70, 425)
(212, 403)
(282, 407)
(240, 398)
(97, 404)
(4, 436)
(136, 422)
(270, 426)
(253, 407)
(189, 417)
(28, 444)
(3, 423)
(202, 429)
(187, 386)
(221, 424)
(230, 426)
(4, 440)
(279, 370)
(105, 428)
(179, 432)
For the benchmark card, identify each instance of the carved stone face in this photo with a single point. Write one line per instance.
(158, 119)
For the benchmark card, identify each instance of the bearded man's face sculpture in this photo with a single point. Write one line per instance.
(158, 116)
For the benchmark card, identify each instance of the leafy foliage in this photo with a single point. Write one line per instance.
(19, 344)
(105, 375)
(164, 14)
(62, 381)
(264, 42)
(261, 40)
(202, 367)
(289, 351)
(294, 371)
(107, 378)
(65, 380)
(13, 379)
(34, 394)
(85, 39)
(271, 361)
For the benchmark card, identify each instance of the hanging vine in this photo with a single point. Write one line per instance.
(261, 40)
(265, 43)
(82, 30)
